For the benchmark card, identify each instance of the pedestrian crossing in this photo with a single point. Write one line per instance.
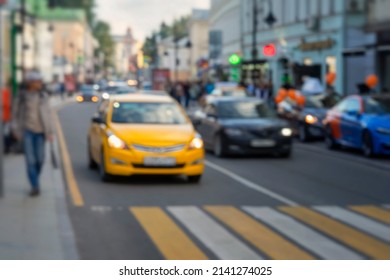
(255, 232)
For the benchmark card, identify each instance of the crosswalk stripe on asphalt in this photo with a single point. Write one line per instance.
(260, 236)
(339, 231)
(222, 243)
(374, 212)
(172, 242)
(304, 236)
(358, 221)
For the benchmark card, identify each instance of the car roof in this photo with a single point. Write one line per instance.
(142, 97)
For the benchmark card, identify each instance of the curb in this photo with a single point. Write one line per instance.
(67, 237)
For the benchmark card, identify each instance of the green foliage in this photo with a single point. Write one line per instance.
(102, 33)
(178, 29)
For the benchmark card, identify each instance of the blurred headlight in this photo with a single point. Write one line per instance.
(95, 99)
(196, 143)
(79, 98)
(287, 132)
(310, 119)
(383, 130)
(116, 143)
(233, 132)
(105, 95)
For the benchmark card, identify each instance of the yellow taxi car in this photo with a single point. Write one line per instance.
(144, 134)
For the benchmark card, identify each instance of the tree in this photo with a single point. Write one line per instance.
(102, 33)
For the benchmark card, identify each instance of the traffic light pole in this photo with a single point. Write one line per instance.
(254, 40)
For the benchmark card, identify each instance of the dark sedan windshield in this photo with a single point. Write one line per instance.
(377, 105)
(244, 110)
(147, 113)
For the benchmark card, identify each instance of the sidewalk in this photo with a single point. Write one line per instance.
(35, 228)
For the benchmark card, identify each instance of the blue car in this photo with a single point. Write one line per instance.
(361, 122)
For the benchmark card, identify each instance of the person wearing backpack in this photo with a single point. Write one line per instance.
(32, 125)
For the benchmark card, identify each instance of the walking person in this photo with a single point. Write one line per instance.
(32, 125)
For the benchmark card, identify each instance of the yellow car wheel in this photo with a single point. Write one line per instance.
(194, 179)
(104, 176)
(91, 163)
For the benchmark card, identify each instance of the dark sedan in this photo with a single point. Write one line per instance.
(242, 125)
(87, 94)
(307, 121)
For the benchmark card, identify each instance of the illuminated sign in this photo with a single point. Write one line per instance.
(269, 50)
(234, 59)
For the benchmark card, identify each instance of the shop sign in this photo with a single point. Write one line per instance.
(316, 46)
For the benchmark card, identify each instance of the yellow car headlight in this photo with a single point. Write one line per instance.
(116, 143)
(196, 143)
(79, 98)
(310, 119)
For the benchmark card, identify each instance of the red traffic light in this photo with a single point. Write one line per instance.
(269, 50)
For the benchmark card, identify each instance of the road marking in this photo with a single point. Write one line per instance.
(172, 242)
(266, 240)
(222, 243)
(357, 240)
(377, 213)
(358, 221)
(74, 190)
(251, 185)
(306, 237)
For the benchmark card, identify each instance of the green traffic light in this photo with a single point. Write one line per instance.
(234, 59)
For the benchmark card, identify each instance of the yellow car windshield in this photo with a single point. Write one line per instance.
(147, 113)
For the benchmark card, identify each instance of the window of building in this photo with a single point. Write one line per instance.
(331, 63)
(331, 6)
(325, 7)
(307, 61)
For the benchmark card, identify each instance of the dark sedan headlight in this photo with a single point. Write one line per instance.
(233, 132)
(286, 132)
(382, 130)
(310, 119)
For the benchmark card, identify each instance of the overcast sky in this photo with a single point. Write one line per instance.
(143, 16)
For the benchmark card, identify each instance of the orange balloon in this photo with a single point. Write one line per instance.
(372, 81)
(301, 100)
(330, 78)
(278, 99)
(292, 94)
(282, 93)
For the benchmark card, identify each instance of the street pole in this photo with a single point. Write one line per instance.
(1, 107)
(254, 40)
(176, 55)
(23, 23)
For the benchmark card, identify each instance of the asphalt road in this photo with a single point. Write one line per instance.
(318, 204)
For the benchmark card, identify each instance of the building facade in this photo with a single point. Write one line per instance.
(378, 23)
(124, 46)
(199, 38)
(225, 23)
(312, 38)
(176, 57)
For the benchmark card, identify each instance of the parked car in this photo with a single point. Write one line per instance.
(144, 134)
(307, 121)
(361, 122)
(242, 125)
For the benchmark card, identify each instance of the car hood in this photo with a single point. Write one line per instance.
(156, 135)
(320, 113)
(254, 123)
(376, 121)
